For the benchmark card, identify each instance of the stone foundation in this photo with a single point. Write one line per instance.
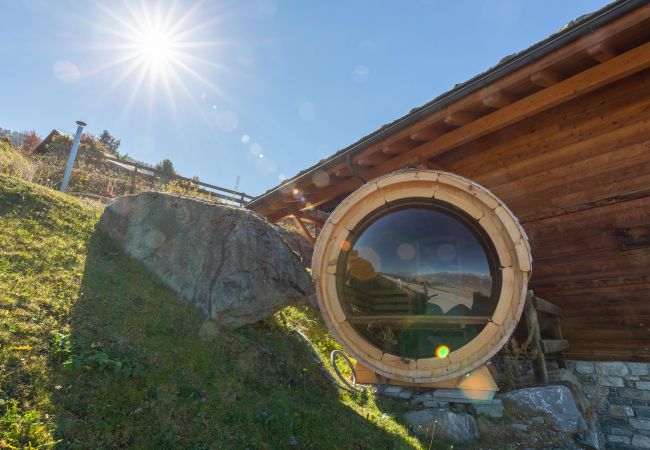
(620, 393)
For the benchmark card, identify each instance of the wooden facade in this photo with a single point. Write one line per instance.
(563, 141)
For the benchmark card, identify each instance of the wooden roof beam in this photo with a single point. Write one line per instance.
(460, 118)
(545, 78)
(289, 200)
(602, 52)
(496, 99)
(309, 190)
(303, 229)
(343, 172)
(397, 147)
(313, 220)
(277, 206)
(372, 159)
(428, 133)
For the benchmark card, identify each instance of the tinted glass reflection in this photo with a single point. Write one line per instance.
(415, 280)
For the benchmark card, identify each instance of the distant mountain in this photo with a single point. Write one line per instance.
(466, 281)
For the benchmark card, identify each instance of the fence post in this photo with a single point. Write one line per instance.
(73, 155)
(132, 187)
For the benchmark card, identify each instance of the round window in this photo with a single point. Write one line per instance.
(418, 278)
(421, 275)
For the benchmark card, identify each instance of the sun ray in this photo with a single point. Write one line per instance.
(187, 16)
(162, 53)
(179, 63)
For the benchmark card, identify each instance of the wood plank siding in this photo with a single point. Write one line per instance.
(565, 143)
(572, 175)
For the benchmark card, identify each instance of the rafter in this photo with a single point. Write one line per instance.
(460, 118)
(427, 133)
(497, 99)
(546, 78)
(602, 52)
(303, 229)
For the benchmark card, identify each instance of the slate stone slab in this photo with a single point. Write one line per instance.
(556, 401)
(493, 409)
(617, 369)
(444, 424)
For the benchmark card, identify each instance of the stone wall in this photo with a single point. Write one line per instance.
(620, 392)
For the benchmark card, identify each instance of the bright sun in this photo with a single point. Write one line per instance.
(155, 46)
(159, 47)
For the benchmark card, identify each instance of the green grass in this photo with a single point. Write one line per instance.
(95, 352)
(14, 163)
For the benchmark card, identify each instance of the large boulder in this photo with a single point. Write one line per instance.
(442, 423)
(556, 401)
(297, 242)
(229, 262)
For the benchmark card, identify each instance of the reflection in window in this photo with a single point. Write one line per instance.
(417, 279)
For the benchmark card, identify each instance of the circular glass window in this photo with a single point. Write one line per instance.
(418, 279)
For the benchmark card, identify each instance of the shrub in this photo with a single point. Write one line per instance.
(30, 143)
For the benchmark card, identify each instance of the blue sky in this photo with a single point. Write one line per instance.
(293, 81)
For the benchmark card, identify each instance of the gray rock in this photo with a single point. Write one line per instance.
(634, 394)
(638, 369)
(537, 419)
(642, 411)
(492, 409)
(297, 242)
(584, 367)
(640, 424)
(392, 391)
(444, 424)
(519, 426)
(621, 411)
(641, 441)
(405, 394)
(618, 439)
(619, 431)
(228, 262)
(419, 399)
(556, 401)
(459, 396)
(645, 385)
(612, 381)
(593, 436)
(617, 369)
(435, 404)
(592, 390)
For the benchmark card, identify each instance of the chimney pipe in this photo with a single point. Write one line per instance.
(73, 155)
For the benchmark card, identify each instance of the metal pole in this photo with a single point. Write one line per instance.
(73, 155)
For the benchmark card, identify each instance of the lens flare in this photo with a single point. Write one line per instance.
(442, 351)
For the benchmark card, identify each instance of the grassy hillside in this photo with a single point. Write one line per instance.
(96, 353)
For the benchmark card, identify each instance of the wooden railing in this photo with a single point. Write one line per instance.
(219, 192)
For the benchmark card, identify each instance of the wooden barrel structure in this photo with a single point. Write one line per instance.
(422, 275)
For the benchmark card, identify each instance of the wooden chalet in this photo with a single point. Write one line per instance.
(561, 133)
